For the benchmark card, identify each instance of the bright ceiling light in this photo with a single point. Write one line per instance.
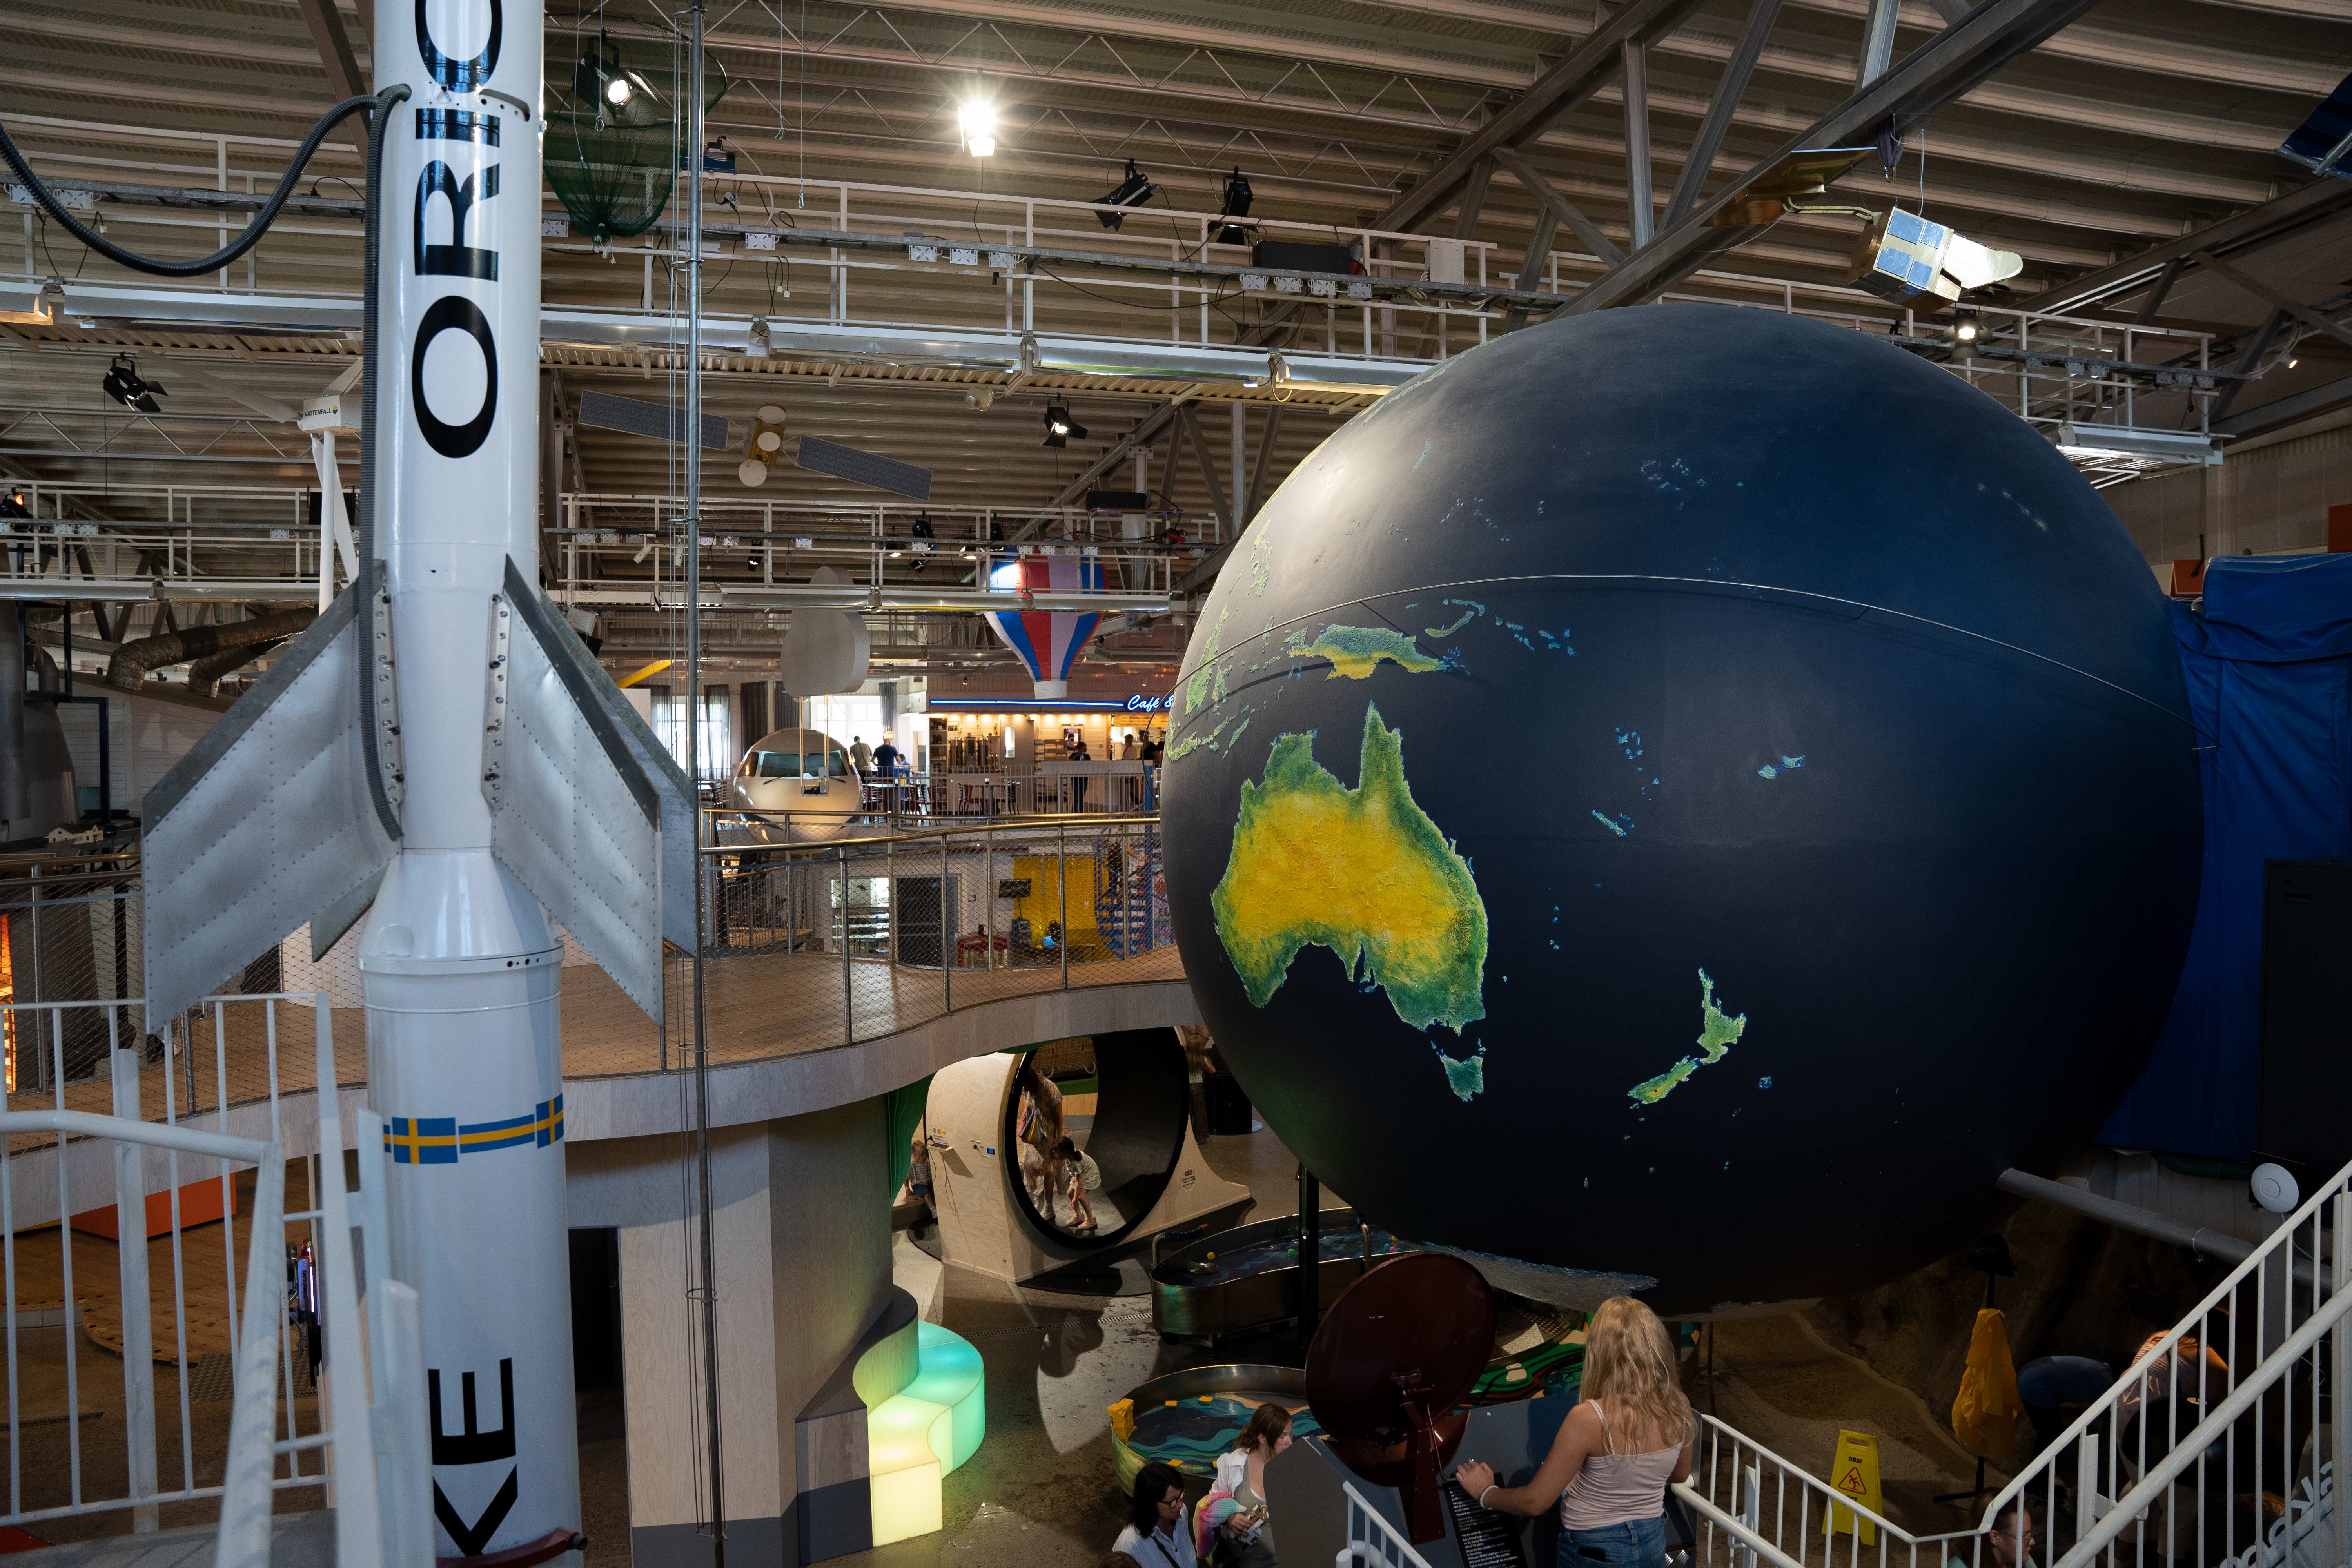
(618, 90)
(976, 127)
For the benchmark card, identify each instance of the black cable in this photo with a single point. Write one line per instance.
(363, 591)
(236, 248)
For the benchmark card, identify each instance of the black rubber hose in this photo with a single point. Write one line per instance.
(363, 596)
(218, 259)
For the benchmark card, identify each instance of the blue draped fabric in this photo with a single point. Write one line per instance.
(2268, 667)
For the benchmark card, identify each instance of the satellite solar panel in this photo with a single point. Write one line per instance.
(2321, 141)
(656, 421)
(823, 457)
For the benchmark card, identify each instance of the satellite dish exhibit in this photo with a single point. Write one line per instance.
(1677, 801)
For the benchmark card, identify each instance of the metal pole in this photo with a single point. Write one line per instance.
(1637, 142)
(706, 1263)
(947, 934)
(1310, 1261)
(849, 1019)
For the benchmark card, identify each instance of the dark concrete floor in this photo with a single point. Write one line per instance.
(1038, 1493)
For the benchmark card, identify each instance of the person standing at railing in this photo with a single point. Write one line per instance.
(2007, 1544)
(1627, 1438)
(1078, 781)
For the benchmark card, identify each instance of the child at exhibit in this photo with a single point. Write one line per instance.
(1083, 1176)
(1629, 1436)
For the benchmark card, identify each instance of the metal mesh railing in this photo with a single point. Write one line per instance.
(813, 942)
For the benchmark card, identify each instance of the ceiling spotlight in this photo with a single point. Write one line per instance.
(123, 383)
(976, 128)
(921, 532)
(618, 90)
(1236, 204)
(1964, 326)
(1131, 192)
(1060, 426)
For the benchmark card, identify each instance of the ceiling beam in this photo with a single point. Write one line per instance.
(2263, 292)
(2272, 218)
(1720, 110)
(325, 20)
(2314, 400)
(1589, 66)
(1558, 207)
(1923, 81)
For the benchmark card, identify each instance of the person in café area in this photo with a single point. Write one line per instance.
(862, 754)
(885, 760)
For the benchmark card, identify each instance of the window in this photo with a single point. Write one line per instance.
(717, 733)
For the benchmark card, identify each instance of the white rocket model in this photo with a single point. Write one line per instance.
(439, 753)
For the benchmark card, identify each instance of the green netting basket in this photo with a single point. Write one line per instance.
(615, 134)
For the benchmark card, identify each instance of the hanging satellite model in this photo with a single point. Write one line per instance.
(825, 650)
(1045, 641)
(1903, 258)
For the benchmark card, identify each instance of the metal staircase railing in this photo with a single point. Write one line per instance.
(369, 1446)
(2190, 1457)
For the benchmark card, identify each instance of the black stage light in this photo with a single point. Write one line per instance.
(123, 383)
(1236, 204)
(921, 532)
(1131, 192)
(16, 501)
(1964, 327)
(1060, 426)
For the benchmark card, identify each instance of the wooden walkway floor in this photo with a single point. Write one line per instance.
(759, 1004)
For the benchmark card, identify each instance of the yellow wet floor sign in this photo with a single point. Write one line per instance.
(1854, 1472)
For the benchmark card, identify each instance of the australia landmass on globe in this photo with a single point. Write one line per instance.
(1717, 1035)
(1362, 871)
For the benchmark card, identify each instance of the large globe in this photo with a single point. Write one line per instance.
(1677, 800)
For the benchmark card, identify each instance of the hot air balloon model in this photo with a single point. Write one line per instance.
(1047, 641)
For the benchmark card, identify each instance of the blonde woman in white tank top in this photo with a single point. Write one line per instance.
(1628, 1435)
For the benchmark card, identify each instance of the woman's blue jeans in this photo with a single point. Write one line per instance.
(1636, 1543)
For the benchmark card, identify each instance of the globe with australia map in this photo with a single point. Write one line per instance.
(1677, 800)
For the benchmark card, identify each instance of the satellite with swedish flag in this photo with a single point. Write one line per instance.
(1903, 258)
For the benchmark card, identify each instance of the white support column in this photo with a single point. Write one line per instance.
(138, 1334)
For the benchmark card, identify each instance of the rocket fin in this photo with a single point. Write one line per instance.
(268, 819)
(587, 809)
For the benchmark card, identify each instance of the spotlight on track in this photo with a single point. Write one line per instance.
(1131, 192)
(1060, 426)
(976, 128)
(1235, 203)
(123, 383)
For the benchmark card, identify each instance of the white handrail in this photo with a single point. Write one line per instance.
(2191, 1447)
(247, 1496)
(1372, 1539)
(155, 1134)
